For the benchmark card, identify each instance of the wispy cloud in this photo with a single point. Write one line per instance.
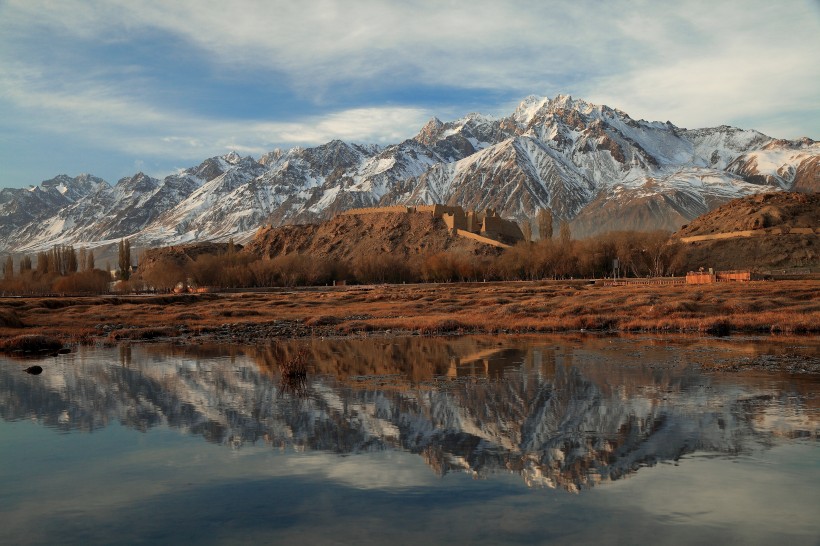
(673, 55)
(112, 119)
(751, 65)
(141, 76)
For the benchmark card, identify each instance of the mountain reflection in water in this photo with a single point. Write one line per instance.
(564, 412)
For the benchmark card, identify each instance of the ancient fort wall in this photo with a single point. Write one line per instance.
(488, 225)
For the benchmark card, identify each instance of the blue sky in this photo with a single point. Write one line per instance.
(115, 87)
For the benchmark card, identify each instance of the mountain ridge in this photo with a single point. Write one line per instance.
(592, 164)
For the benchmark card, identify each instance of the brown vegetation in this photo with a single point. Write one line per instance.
(639, 254)
(32, 343)
(9, 319)
(399, 248)
(544, 306)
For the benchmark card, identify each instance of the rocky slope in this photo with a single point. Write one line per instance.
(592, 164)
(759, 212)
(768, 232)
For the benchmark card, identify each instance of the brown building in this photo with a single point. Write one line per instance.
(709, 277)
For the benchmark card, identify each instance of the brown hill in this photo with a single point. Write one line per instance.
(765, 232)
(758, 212)
(347, 237)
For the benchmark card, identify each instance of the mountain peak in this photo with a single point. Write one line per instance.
(528, 108)
(585, 161)
(533, 106)
(272, 157)
(233, 158)
(430, 132)
(566, 102)
(73, 188)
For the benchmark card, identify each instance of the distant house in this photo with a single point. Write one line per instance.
(709, 277)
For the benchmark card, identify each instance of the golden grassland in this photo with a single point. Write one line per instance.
(788, 307)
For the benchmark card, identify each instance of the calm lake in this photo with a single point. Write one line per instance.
(471, 440)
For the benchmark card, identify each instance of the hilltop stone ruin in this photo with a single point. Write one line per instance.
(486, 227)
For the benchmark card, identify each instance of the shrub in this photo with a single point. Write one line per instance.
(9, 319)
(33, 343)
(324, 320)
(141, 333)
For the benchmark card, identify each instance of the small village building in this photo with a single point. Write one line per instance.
(710, 276)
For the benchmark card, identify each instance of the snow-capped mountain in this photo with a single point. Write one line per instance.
(592, 164)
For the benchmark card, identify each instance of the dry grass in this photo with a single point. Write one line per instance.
(296, 365)
(779, 306)
(31, 343)
(10, 319)
(142, 333)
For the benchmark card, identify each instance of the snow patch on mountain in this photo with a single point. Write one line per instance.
(563, 153)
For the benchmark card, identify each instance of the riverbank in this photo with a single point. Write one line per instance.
(789, 307)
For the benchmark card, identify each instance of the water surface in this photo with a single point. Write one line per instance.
(453, 440)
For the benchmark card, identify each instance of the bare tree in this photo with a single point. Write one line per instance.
(564, 234)
(125, 259)
(71, 262)
(544, 220)
(43, 263)
(526, 229)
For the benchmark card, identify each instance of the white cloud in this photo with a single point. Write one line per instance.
(759, 497)
(485, 44)
(693, 63)
(109, 117)
(753, 64)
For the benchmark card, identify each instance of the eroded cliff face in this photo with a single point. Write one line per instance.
(560, 413)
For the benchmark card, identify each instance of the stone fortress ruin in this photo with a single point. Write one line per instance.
(486, 227)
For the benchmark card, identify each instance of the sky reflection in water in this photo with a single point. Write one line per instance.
(385, 438)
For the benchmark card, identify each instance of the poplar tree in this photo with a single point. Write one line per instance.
(55, 262)
(125, 259)
(43, 265)
(128, 257)
(526, 229)
(544, 219)
(564, 234)
(71, 263)
(8, 269)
